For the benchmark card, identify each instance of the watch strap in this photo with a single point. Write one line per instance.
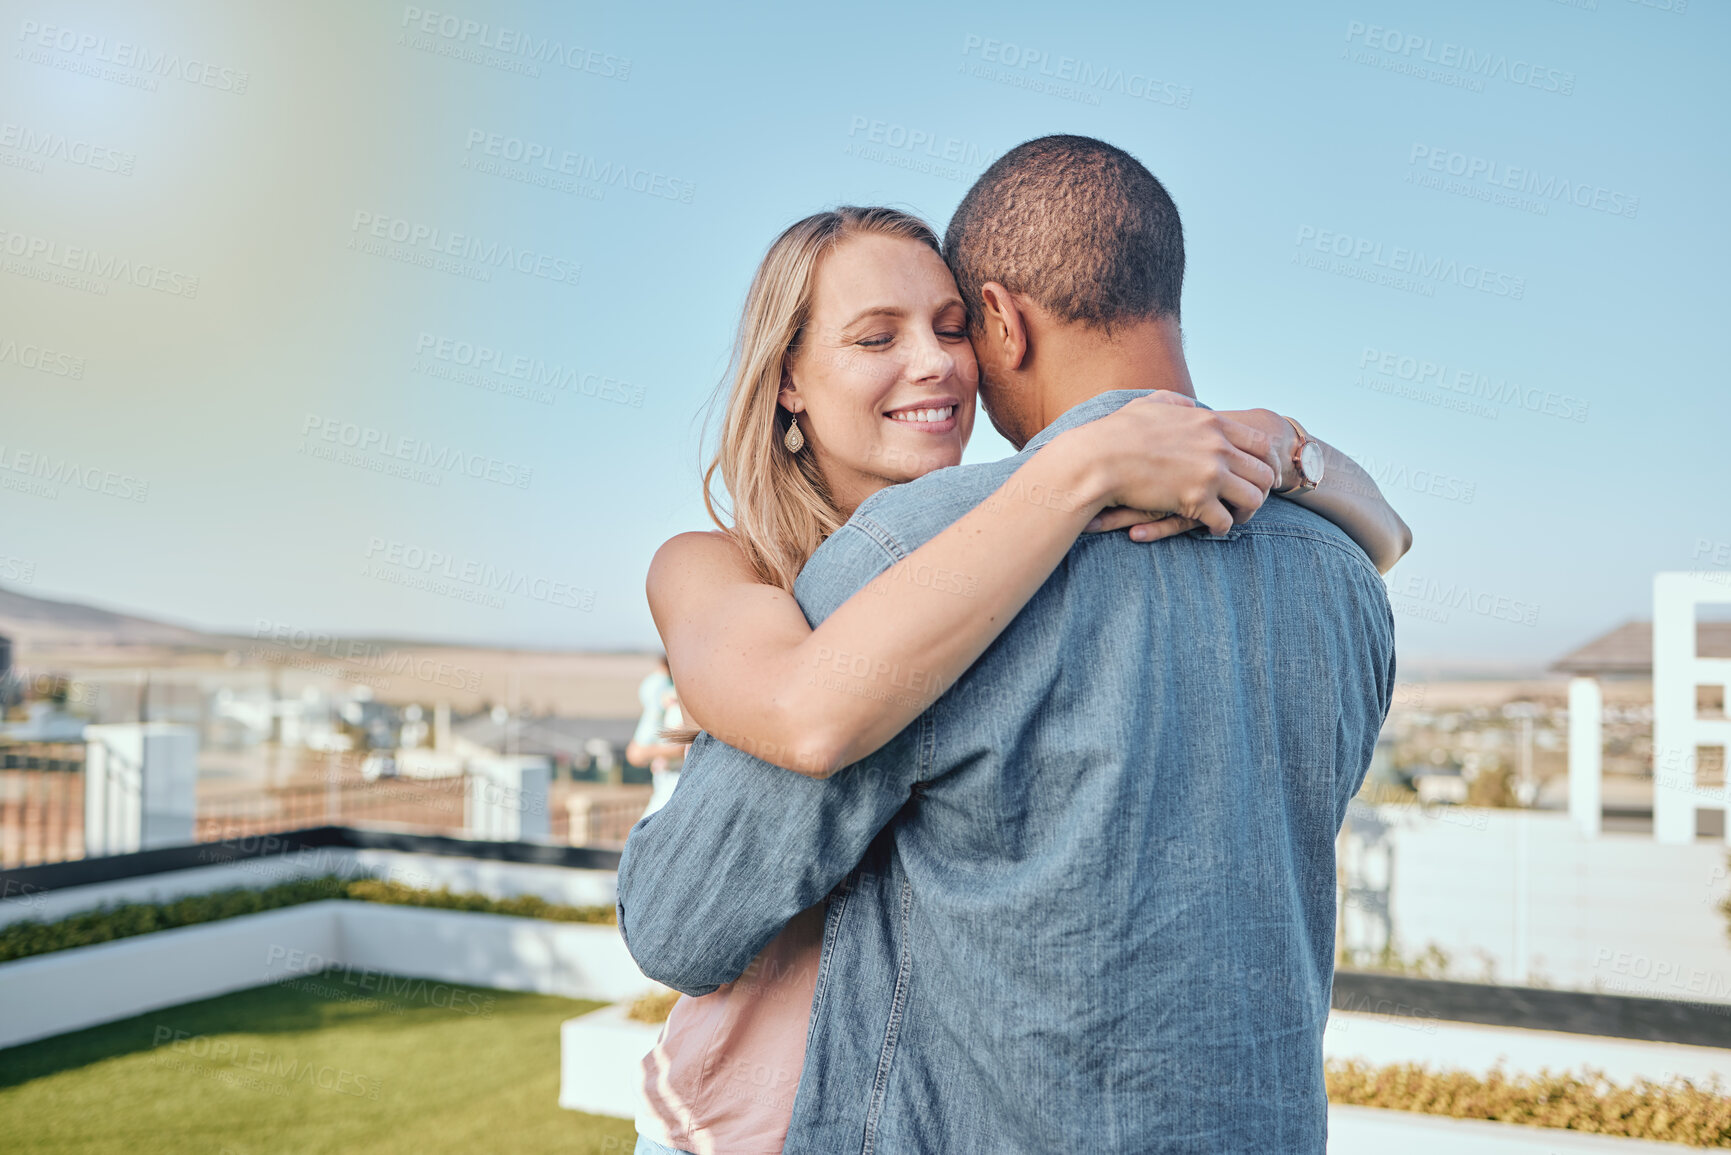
(1303, 483)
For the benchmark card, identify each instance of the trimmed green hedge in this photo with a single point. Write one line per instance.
(523, 905)
(1675, 1112)
(653, 1007)
(29, 937)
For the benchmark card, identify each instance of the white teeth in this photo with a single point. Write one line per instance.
(927, 416)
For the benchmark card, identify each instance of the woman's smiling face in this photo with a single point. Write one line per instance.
(883, 379)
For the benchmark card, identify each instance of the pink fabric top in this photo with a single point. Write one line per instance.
(721, 1079)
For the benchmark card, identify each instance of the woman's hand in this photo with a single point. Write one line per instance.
(1348, 496)
(1282, 439)
(1167, 466)
(1143, 524)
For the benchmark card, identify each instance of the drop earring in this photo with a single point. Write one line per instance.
(793, 439)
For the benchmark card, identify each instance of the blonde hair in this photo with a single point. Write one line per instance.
(780, 507)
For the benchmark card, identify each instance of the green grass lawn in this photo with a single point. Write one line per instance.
(324, 1066)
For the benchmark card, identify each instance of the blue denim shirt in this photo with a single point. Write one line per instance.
(1086, 901)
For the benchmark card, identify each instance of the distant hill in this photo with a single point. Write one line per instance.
(43, 622)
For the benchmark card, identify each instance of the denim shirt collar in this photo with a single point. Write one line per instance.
(1092, 409)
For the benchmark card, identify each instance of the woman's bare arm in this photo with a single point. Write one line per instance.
(754, 674)
(1350, 499)
(1347, 496)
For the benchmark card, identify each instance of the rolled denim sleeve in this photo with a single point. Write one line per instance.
(743, 845)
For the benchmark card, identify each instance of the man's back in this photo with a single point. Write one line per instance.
(1105, 918)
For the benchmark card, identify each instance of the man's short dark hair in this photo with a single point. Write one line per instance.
(1076, 224)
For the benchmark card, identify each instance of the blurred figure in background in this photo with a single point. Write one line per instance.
(648, 746)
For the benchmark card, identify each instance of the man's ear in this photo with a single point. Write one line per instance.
(1005, 325)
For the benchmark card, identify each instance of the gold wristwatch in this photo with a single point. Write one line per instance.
(1307, 462)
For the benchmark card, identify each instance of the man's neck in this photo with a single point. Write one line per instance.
(1074, 363)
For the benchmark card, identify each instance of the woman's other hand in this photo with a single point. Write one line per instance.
(1144, 524)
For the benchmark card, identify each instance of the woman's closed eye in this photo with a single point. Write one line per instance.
(885, 342)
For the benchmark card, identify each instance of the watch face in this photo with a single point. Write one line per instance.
(1310, 460)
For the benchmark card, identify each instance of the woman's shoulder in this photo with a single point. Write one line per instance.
(706, 556)
(700, 547)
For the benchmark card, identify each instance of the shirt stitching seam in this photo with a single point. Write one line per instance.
(898, 1003)
(826, 955)
(877, 533)
(1351, 551)
(880, 1087)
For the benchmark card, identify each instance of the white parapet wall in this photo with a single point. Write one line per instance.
(1370, 1131)
(495, 879)
(601, 1072)
(562, 884)
(575, 960)
(601, 1062)
(1526, 897)
(67, 990)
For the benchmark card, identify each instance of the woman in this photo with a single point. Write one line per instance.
(853, 372)
(647, 748)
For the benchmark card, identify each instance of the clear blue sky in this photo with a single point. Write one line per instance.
(1288, 138)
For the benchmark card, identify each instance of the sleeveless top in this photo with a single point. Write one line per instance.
(721, 1078)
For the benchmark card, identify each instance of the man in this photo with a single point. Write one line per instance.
(1086, 901)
